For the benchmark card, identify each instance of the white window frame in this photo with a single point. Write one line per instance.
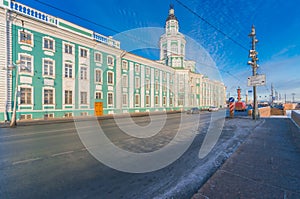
(147, 71)
(101, 76)
(53, 68)
(83, 52)
(32, 94)
(164, 100)
(125, 98)
(137, 82)
(157, 85)
(69, 75)
(156, 100)
(137, 100)
(53, 44)
(83, 73)
(23, 42)
(96, 55)
(53, 95)
(137, 68)
(147, 100)
(110, 72)
(83, 99)
(112, 95)
(101, 94)
(23, 68)
(109, 57)
(125, 81)
(148, 86)
(124, 65)
(156, 74)
(68, 101)
(69, 50)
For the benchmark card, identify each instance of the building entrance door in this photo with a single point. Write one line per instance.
(98, 108)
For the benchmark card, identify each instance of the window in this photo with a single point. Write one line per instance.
(156, 85)
(110, 61)
(26, 63)
(68, 97)
(48, 96)
(124, 99)
(83, 53)
(26, 94)
(164, 100)
(110, 99)
(84, 114)
(180, 99)
(171, 100)
(164, 76)
(137, 99)
(48, 67)
(156, 74)
(156, 100)
(125, 81)
(83, 97)
(147, 84)
(110, 77)
(181, 87)
(124, 65)
(49, 115)
(147, 100)
(83, 73)
(147, 71)
(98, 76)
(137, 68)
(68, 49)
(98, 57)
(25, 38)
(48, 44)
(98, 95)
(68, 70)
(68, 114)
(25, 117)
(164, 87)
(174, 48)
(137, 82)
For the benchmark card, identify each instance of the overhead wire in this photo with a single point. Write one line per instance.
(143, 41)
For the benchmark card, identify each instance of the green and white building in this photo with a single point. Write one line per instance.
(58, 69)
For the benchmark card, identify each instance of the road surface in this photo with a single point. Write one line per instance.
(49, 161)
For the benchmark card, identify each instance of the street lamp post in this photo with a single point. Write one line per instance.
(253, 63)
(13, 122)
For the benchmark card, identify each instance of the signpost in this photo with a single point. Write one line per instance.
(231, 106)
(257, 80)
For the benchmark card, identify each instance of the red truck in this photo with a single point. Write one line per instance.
(240, 106)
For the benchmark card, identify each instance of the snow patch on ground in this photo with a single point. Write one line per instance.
(221, 152)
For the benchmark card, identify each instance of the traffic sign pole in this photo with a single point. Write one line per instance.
(231, 106)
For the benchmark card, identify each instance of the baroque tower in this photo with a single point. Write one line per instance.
(172, 44)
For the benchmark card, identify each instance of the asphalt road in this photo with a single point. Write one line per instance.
(50, 161)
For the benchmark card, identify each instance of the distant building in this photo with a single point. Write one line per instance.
(67, 70)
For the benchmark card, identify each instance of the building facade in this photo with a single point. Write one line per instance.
(51, 68)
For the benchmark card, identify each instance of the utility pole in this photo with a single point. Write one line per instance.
(252, 62)
(293, 94)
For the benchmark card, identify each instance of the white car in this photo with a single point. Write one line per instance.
(213, 108)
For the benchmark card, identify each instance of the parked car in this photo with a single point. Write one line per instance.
(194, 110)
(213, 108)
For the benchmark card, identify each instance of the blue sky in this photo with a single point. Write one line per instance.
(276, 21)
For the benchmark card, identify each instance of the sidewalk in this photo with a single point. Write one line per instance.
(82, 118)
(267, 165)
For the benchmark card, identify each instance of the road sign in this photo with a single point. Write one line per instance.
(231, 99)
(257, 80)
